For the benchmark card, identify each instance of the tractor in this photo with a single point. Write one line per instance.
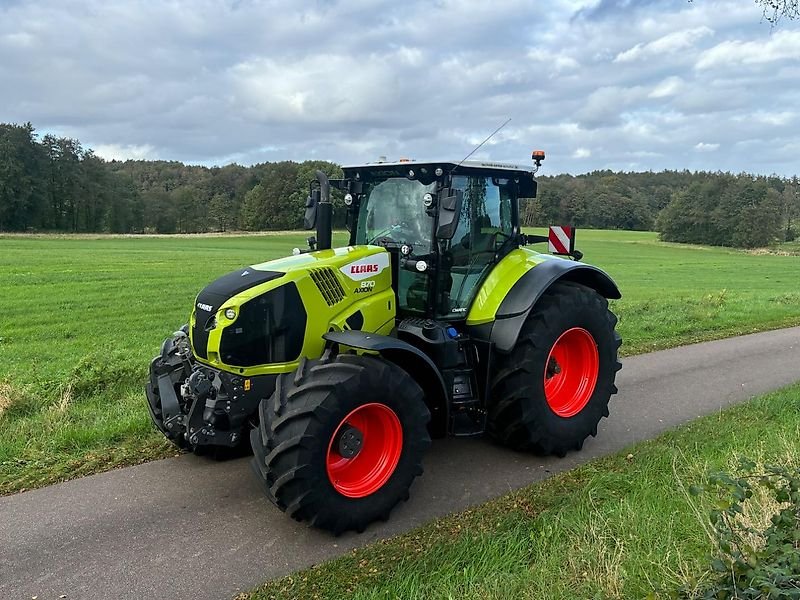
(338, 365)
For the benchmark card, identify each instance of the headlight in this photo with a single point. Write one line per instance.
(230, 313)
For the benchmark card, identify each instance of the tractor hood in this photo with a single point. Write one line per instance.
(214, 295)
(350, 261)
(259, 315)
(338, 258)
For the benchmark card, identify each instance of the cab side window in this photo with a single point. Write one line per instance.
(485, 221)
(483, 227)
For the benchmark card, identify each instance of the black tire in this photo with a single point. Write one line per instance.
(520, 415)
(156, 413)
(297, 426)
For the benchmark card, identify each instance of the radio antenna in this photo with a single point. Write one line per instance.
(478, 147)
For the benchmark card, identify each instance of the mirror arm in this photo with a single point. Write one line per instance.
(541, 239)
(533, 239)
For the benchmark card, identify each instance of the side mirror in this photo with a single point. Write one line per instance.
(310, 216)
(356, 187)
(449, 213)
(526, 188)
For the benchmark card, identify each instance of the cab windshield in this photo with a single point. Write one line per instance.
(393, 211)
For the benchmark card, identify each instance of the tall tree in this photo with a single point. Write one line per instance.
(791, 208)
(22, 194)
(775, 10)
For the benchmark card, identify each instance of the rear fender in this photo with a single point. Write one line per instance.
(412, 360)
(526, 291)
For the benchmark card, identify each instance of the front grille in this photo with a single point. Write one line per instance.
(269, 329)
(328, 285)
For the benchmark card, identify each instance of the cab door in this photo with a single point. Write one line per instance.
(485, 230)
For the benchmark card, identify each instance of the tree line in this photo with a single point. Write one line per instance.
(720, 209)
(55, 184)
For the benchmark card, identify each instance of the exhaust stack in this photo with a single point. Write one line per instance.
(324, 214)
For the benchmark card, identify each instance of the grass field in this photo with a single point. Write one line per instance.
(83, 315)
(619, 527)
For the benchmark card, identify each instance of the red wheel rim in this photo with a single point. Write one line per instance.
(380, 448)
(571, 372)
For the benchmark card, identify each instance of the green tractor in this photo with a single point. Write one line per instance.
(338, 365)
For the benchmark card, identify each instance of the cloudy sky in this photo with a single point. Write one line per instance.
(620, 84)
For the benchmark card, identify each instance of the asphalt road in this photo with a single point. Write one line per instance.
(190, 528)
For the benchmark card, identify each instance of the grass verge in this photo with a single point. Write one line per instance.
(619, 527)
(76, 435)
(83, 315)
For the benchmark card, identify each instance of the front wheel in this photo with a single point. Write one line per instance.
(340, 441)
(550, 392)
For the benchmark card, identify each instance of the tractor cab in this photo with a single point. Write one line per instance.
(445, 224)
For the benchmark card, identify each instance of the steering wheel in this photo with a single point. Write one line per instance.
(466, 241)
(395, 234)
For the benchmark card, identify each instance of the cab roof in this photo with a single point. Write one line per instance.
(446, 165)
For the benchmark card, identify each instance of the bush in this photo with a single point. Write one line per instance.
(103, 370)
(753, 561)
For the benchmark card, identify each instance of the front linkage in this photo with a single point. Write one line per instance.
(196, 406)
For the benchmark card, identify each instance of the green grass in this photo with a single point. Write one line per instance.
(83, 315)
(618, 527)
(675, 294)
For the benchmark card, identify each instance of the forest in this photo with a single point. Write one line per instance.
(54, 184)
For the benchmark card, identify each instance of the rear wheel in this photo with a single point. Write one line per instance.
(551, 391)
(340, 442)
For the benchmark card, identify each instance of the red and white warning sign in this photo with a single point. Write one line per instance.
(561, 239)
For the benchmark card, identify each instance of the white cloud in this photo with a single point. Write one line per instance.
(760, 118)
(605, 105)
(667, 87)
(703, 147)
(554, 63)
(781, 46)
(321, 88)
(118, 152)
(582, 153)
(21, 39)
(667, 44)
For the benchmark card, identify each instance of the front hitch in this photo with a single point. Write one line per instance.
(194, 405)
